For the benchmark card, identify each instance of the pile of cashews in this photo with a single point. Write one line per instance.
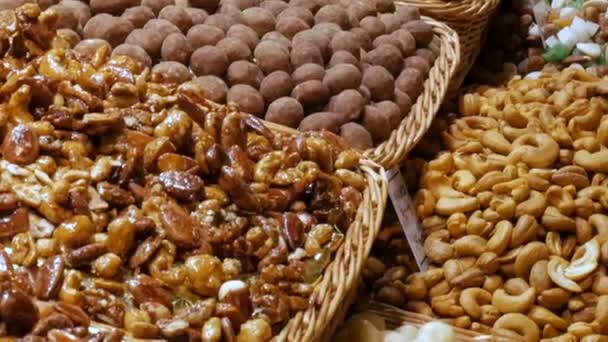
(369, 327)
(516, 213)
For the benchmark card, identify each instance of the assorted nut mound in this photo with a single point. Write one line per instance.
(516, 215)
(147, 208)
(353, 68)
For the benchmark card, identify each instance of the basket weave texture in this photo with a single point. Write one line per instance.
(415, 124)
(396, 317)
(469, 18)
(343, 273)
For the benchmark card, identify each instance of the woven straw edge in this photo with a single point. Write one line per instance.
(395, 317)
(414, 125)
(469, 18)
(343, 272)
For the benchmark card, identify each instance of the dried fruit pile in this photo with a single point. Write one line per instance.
(353, 68)
(516, 214)
(148, 208)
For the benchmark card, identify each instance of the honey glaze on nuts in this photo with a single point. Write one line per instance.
(515, 212)
(149, 211)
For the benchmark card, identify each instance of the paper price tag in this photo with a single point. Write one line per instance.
(402, 202)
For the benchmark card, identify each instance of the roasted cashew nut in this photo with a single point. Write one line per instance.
(585, 261)
(500, 237)
(600, 223)
(520, 324)
(472, 299)
(543, 316)
(556, 269)
(534, 206)
(463, 180)
(594, 162)
(506, 303)
(536, 150)
(531, 253)
(495, 141)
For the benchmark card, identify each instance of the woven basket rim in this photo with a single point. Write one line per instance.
(344, 271)
(415, 124)
(454, 10)
(395, 317)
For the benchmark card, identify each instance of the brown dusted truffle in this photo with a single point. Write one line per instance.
(379, 82)
(157, 5)
(346, 41)
(278, 38)
(275, 7)
(342, 57)
(407, 43)
(176, 48)
(377, 123)
(419, 63)
(234, 49)
(327, 30)
(208, 60)
(271, 56)
(386, 39)
(198, 15)
(312, 6)
(427, 54)
(360, 9)
(387, 56)
(308, 72)
(244, 72)
(391, 22)
(178, 16)
(104, 26)
(384, 6)
(245, 34)
(322, 121)
(213, 87)
(170, 72)
(162, 26)
(422, 32)
(138, 15)
(135, 52)
(364, 39)
(201, 35)
(374, 26)
(276, 84)
(240, 4)
(311, 93)
(111, 6)
(356, 136)
(80, 10)
(411, 82)
(315, 37)
(247, 98)
(403, 101)
(342, 77)
(222, 21)
(298, 12)
(285, 111)
(289, 26)
(305, 52)
(149, 40)
(332, 14)
(392, 110)
(349, 102)
(259, 19)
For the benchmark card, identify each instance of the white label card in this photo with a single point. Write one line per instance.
(403, 204)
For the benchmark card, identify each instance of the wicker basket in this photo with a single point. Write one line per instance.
(342, 275)
(396, 317)
(470, 19)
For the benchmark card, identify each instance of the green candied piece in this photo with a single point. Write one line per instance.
(315, 266)
(601, 60)
(578, 4)
(556, 54)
